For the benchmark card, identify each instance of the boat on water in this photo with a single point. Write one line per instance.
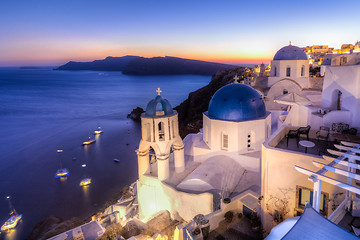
(13, 220)
(85, 182)
(116, 160)
(89, 141)
(98, 131)
(62, 172)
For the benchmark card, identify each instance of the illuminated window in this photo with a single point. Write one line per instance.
(306, 195)
(225, 141)
(288, 71)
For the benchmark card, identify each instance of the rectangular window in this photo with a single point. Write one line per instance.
(288, 71)
(306, 194)
(225, 141)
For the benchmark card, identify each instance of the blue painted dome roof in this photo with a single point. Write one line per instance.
(165, 106)
(290, 53)
(236, 102)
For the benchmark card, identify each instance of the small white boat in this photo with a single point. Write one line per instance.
(116, 160)
(98, 131)
(13, 220)
(62, 172)
(85, 182)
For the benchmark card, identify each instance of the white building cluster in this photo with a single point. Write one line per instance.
(246, 160)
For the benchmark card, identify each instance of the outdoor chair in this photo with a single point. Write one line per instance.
(292, 134)
(323, 133)
(304, 131)
(351, 131)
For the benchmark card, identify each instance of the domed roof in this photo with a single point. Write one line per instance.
(290, 53)
(236, 102)
(165, 107)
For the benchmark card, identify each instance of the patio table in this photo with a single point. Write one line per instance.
(307, 144)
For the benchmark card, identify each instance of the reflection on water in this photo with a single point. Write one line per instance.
(43, 110)
(86, 190)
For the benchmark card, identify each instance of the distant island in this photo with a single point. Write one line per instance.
(135, 65)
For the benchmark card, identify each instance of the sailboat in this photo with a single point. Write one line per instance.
(14, 218)
(86, 181)
(89, 141)
(62, 172)
(98, 131)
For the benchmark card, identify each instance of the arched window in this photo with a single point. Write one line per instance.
(336, 100)
(224, 141)
(161, 131)
(302, 70)
(343, 60)
(275, 71)
(288, 71)
(173, 128)
(339, 100)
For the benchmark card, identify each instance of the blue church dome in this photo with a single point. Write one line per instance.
(236, 102)
(290, 53)
(164, 105)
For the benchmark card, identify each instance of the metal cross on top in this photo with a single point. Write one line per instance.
(158, 91)
(236, 79)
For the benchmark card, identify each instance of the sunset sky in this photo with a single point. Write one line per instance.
(52, 32)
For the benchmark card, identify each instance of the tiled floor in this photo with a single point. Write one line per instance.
(319, 149)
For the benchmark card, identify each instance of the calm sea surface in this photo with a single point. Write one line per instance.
(42, 110)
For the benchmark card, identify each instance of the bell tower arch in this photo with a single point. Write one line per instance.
(160, 131)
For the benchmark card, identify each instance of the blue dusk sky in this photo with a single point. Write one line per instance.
(52, 32)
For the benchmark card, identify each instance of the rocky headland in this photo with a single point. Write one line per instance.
(134, 65)
(190, 111)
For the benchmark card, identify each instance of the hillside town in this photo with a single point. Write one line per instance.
(276, 158)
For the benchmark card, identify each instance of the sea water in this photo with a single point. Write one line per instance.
(42, 110)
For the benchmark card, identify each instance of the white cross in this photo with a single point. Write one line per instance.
(236, 79)
(158, 91)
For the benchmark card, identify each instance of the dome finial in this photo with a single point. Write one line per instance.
(158, 91)
(290, 43)
(236, 79)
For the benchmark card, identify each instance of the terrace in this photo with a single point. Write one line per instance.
(345, 164)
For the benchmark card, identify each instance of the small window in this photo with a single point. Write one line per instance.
(302, 70)
(225, 141)
(343, 60)
(285, 91)
(288, 71)
(250, 141)
(161, 131)
(275, 71)
(306, 195)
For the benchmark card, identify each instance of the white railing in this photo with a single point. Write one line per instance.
(339, 212)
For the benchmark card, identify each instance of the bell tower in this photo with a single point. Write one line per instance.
(160, 131)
